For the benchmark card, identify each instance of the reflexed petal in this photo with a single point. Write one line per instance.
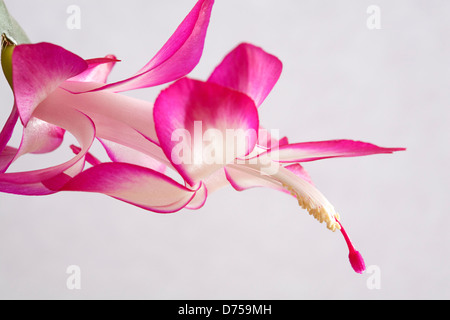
(8, 128)
(38, 69)
(48, 181)
(37, 137)
(311, 151)
(202, 126)
(179, 55)
(6, 156)
(250, 70)
(137, 185)
(98, 70)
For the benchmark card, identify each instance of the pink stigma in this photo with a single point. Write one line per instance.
(356, 259)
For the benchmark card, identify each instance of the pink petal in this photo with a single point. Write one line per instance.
(49, 180)
(118, 118)
(177, 57)
(250, 70)
(41, 137)
(192, 121)
(300, 172)
(216, 181)
(37, 137)
(88, 157)
(266, 140)
(98, 70)
(311, 151)
(38, 69)
(283, 141)
(8, 128)
(199, 200)
(136, 185)
(121, 153)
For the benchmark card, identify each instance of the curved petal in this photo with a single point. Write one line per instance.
(8, 128)
(37, 137)
(50, 180)
(120, 153)
(133, 184)
(311, 151)
(199, 200)
(301, 172)
(216, 181)
(42, 137)
(92, 160)
(118, 118)
(38, 69)
(202, 126)
(269, 139)
(179, 55)
(250, 70)
(98, 70)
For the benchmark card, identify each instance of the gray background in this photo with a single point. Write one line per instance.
(340, 80)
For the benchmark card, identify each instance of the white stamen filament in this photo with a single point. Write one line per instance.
(308, 197)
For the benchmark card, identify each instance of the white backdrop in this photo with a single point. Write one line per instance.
(340, 80)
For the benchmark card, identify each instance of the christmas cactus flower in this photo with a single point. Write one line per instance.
(210, 132)
(197, 137)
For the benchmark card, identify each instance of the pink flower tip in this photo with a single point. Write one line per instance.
(357, 261)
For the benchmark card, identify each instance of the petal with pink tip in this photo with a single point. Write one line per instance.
(121, 153)
(311, 151)
(250, 70)
(41, 137)
(50, 180)
(179, 55)
(199, 200)
(8, 128)
(98, 70)
(133, 184)
(38, 69)
(216, 181)
(202, 126)
(37, 137)
(6, 156)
